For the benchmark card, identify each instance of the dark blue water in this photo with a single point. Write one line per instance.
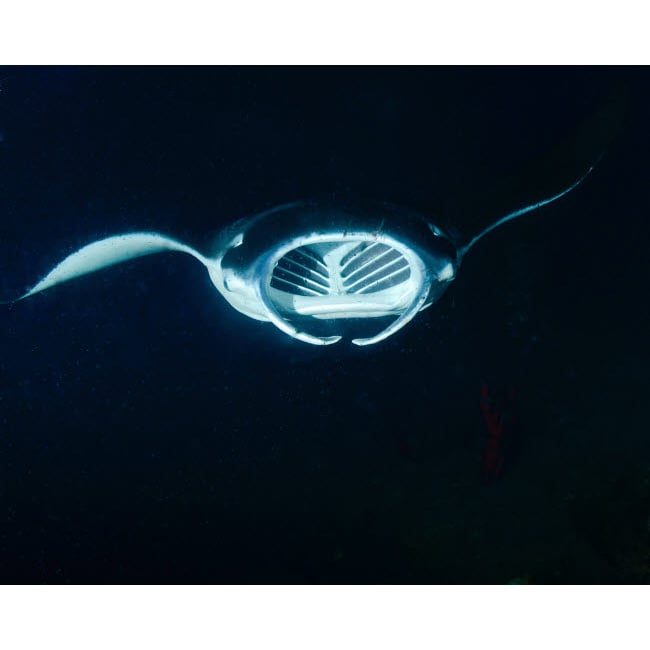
(149, 433)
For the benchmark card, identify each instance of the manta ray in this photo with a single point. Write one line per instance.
(310, 262)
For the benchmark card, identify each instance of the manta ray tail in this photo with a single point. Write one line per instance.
(108, 252)
(557, 173)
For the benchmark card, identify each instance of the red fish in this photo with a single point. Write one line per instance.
(499, 421)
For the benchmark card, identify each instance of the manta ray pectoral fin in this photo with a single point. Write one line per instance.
(555, 174)
(108, 252)
(522, 211)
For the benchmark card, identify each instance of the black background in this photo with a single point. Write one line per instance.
(149, 433)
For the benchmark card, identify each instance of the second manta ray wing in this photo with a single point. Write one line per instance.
(305, 263)
(547, 178)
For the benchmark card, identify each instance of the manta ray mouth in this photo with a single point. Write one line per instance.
(347, 279)
(351, 278)
(334, 277)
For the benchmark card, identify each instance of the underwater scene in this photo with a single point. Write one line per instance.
(316, 325)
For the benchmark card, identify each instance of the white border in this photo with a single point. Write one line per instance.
(333, 32)
(527, 616)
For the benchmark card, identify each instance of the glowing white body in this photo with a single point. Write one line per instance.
(303, 262)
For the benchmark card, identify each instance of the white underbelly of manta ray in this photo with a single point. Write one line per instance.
(303, 263)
